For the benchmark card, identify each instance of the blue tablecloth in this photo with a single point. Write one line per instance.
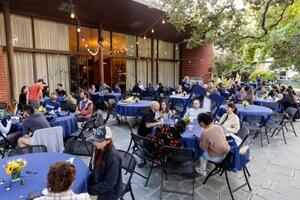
(178, 99)
(191, 139)
(264, 102)
(131, 109)
(101, 97)
(69, 124)
(40, 163)
(252, 110)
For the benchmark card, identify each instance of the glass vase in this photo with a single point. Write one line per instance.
(16, 176)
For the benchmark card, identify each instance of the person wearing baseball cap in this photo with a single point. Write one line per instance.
(105, 179)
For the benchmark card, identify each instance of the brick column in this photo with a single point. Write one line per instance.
(3, 79)
(197, 62)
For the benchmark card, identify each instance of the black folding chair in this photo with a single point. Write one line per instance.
(80, 148)
(86, 131)
(275, 122)
(221, 168)
(111, 109)
(178, 161)
(254, 124)
(273, 106)
(27, 150)
(128, 165)
(142, 147)
(6, 143)
(289, 119)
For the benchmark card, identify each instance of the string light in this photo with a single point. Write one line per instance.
(152, 31)
(163, 21)
(145, 37)
(78, 29)
(83, 39)
(86, 45)
(72, 15)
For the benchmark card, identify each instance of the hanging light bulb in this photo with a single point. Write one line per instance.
(83, 39)
(78, 29)
(86, 45)
(163, 21)
(145, 37)
(72, 15)
(152, 31)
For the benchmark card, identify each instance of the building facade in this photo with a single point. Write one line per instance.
(55, 51)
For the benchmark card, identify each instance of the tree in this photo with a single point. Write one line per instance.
(255, 29)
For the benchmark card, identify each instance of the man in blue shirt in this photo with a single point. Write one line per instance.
(51, 104)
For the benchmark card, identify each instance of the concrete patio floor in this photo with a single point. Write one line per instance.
(274, 168)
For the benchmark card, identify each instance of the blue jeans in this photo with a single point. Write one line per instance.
(206, 157)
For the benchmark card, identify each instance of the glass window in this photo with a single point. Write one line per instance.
(131, 45)
(166, 73)
(51, 35)
(21, 31)
(123, 44)
(177, 51)
(90, 40)
(2, 30)
(73, 38)
(130, 74)
(165, 50)
(106, 42)
(144, 47)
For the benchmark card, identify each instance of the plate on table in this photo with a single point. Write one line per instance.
(45, 192)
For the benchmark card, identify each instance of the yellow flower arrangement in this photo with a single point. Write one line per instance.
(15, 166)
(208, 93)
(186, 120)
(265, 96)
(41, 109)
(243, 150)
(245, 103)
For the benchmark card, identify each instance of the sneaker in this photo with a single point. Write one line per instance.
(200, 171)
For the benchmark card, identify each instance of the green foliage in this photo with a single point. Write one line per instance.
(265, 75)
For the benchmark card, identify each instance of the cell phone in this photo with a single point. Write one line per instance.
(33, 195)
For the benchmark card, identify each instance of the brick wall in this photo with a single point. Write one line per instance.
(3, 79)
(196, 62)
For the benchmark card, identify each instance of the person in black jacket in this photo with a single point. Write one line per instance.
(105, 179)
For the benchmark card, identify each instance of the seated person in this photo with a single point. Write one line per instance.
(141, 86)
(249, 96)
(288, 100)
(167, 136)
(148, 121)
(117, 89)
(195, 110)
(213, 142)
(260, 92)
(150, 89)
(33, 121)
(85, 107)
(59, 91)
(178, 89)
(92, 89)
(136, 88)
(51, 104)
(61, 177)
(105, 179)
(4, 130)
(165, 112)
(104, 87)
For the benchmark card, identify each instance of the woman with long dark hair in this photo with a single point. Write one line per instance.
(105, 179)
(23, 98)
(288, 100)
(165, 112)
(230, 121)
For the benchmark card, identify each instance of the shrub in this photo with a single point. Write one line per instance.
(265, 75)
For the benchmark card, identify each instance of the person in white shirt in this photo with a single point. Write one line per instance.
(231, 122)
(60, 180)
(195, 110)
(4, 130)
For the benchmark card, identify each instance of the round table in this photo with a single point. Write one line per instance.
(99, 98)
(252, 110)
(69, 124)
(264, 102)
(39, 163)
(178, 99)
(131, 109)
(191, 138)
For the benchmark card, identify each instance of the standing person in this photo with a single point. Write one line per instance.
(33, 121)
(85, 107)
(105, 179)
(23, 98)
(36, 93)
(212, 142)
(59, 90)
(61, 177)
(148, 121)
(258, 81)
